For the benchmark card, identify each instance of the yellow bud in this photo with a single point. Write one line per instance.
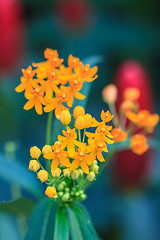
(66, 172)
(94, 162)
(42, 175)
(94, 168)
(46, 149)
(35, 152)
(79, 123)
(87, 120)
(56, 173)
(75, 174)
(65, 117)
(91, 176)
(78, 111)
(50, 192)
(34, 165)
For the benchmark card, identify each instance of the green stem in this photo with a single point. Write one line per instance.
(79, 135)
(49, 128)
(84, 135)
(112, 109)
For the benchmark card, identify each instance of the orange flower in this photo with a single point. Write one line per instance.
(87, 73)
(56, 103)
(73, 62)
(139, 144)
(126, 105)
(96, 147)
(52, 56)
(36, 100)
(82, 159)
(119, 135)
(58, 155)
(131, 94)
(69, 140)
(73, 90)
(102, 132)
(105, 116)
(78, 111)
(143, 119)
(27, 81)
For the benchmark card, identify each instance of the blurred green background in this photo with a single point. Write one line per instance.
(117, 30)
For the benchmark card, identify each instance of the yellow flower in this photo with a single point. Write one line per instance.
(50, 191)
(78, 111)
(82, 159)
(97, 146)
(105, 117)
(73, 90)
(56, 173)
(46, 149)
(87, 120)
(58, 155)
(79, 123)
(69, 140)
(66, 172)
(42, 175)
(34, 165)
(87, 73)
(35, 99)
(91, 176)
(35, 152)
(56, 103)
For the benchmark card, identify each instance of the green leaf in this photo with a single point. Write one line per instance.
(57, 125)
(18, 207)
(61, 227)
(42, 222)
(8, 228)
(14, 173)
(81, 224)
(74, 225)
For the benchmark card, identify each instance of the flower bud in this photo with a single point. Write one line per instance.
(109, 93)
(64, 183)
(66, 172)
(78, 111)
(42, 175)
(50, 192)
(83, 196)
(67, 189)
(139, 144)
(91, 176)
(60, 194)
(94, 162)
(79, 123)
(65, 197)
(56, 173)
(46, 149)
(75, 174)
(65, 117)
(35, 152)
(80, 172)
(34, 165)
(94, 168)
(60, 187)
(87, 120)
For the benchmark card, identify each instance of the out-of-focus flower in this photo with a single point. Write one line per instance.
(109, 93)
(118, 135)
(131, 93)
(126, 105)
(139, 144)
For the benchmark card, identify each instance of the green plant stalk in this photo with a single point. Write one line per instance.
(49, 128)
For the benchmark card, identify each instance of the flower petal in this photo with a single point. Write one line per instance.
(65, 161)
(100, 157)
(54, 164)
(84, 166)
(74, 164)
(29, 105)
(71, 149)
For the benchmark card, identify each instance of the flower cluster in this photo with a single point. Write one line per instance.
(73, 159)
(51, 85)
(130, 122)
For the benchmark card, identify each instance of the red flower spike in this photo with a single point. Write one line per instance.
(129, 169)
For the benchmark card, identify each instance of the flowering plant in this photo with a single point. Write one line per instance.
(68, 164)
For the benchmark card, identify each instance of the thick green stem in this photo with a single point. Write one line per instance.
(49, 128)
